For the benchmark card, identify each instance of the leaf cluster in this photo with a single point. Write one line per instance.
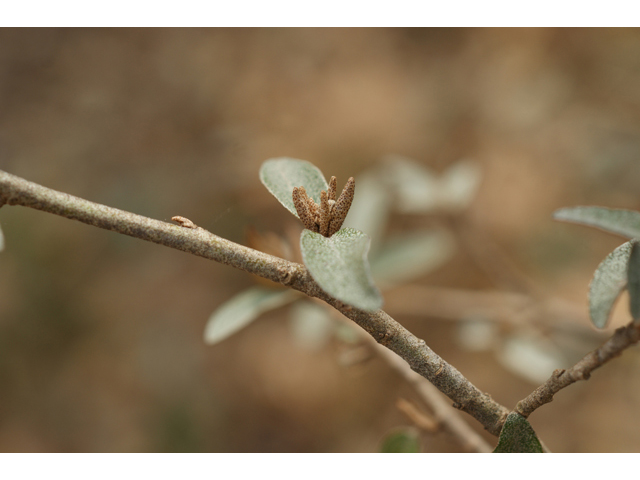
(346, 263)
(620, 270)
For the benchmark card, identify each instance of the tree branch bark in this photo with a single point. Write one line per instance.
(384, 329)
(622, 338)
(448, 418)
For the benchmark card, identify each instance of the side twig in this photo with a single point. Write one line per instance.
(622, 338)
(449, 419)
(420, 419)
(384, 329)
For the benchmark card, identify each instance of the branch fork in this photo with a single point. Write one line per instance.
(326, 218)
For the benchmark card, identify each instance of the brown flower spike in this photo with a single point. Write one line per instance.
(326, 218)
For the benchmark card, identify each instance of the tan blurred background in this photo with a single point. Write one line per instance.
(101, 335)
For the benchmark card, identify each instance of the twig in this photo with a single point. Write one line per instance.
(445, 416)
(419, 418)
(622, 338)
(384, 329)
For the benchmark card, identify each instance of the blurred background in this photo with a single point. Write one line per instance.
(101, 335)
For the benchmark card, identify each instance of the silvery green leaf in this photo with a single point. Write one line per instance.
(622, 222)
(633, 280)
(415, 187)
(609, 280)
(517, 436)
(477, 334)
(532, 358)
(1, 240)
(311, 325)
(419, 190)
(242, 309)
(281, 175)
(339, 265)
(411, 256)
(401, 440)
(370, 208)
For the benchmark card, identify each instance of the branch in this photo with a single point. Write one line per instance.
(622, 338)
(384, 329)
(449, 419)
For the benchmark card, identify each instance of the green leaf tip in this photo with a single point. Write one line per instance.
(517, 436)
(339, 265)
(282, 175)
(621, 222)
(609, 280)
(401, 440)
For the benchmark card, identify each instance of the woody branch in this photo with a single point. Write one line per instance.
(197, 241)
(622, 338)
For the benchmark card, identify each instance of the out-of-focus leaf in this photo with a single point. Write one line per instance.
(633, 279)
(411, 256)
(419, 190)
(281, 175)
(402, 440)
(621, 222)
(460, 184)
(1, 240)
(609, 280)
(339, 265)
(311, 325)
(477, 334)
(414, 186)
(370, 208)
(242, 309)
(517, 436)
(347, 333)
(530, 357)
